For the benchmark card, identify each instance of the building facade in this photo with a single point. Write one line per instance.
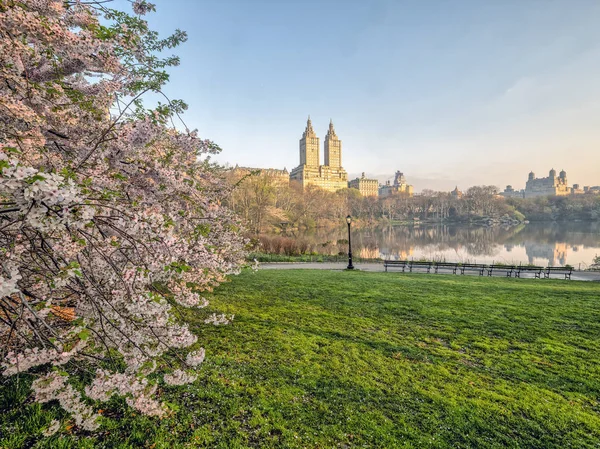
(578, 190)
(330, 176)
(551, 185)
(456, 193)
(509, 192)
(398, 187)
(366, 187)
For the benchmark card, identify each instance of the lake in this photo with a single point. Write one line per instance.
(548, 244)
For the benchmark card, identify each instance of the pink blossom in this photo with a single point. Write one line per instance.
(195, 358)
(142, 7)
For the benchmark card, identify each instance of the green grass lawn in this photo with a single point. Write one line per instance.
(320, 359)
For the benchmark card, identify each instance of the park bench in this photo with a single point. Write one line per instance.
(395, 263)
(445, 265)
(472, 267)
(418, 264)
(558, 270)
(508, 269)
(537, 271)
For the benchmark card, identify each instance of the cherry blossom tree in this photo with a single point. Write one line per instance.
(110, 217)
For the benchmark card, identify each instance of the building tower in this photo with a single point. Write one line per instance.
(309, 146)
(333, 148)
(399, 179)
(331, 176)
(563, 177)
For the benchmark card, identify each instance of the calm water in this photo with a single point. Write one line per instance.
(548, 244)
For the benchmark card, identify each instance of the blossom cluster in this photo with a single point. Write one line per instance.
(109, 216)
(54, 386)
(45, 200)
(138, 393)
(195, 358)
(20, 362)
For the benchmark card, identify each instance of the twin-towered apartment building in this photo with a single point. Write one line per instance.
(331, 176)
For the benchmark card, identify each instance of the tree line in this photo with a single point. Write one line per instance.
(265, 203)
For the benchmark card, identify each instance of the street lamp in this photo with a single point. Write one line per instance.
(350, 266)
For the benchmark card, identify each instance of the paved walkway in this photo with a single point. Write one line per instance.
(576, 276)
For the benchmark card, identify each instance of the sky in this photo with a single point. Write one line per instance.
(449, 92)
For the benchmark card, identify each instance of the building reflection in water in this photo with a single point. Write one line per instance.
(369, 253)
(553, 253)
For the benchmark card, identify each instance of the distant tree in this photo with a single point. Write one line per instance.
(263, 192)
(481, 200)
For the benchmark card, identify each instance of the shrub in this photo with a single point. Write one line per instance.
(303, 246)
(266, 244)
(277, 245)
(290, 247)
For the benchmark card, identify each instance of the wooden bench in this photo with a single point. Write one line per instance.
(418, 264)
(508, 269)
(472, 267)
(404, 264)
(558, 270)
(480, 268)
(442, 265)
(395, 263)
(537, 271)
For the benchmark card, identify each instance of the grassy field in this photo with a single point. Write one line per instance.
(319, 359)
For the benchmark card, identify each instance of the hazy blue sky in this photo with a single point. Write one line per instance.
(448, 91)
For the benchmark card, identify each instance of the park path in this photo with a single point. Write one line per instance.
(576, 276)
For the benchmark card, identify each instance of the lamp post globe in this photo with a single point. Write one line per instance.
(349, 221)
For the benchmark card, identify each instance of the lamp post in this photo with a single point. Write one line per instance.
(350, 266)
